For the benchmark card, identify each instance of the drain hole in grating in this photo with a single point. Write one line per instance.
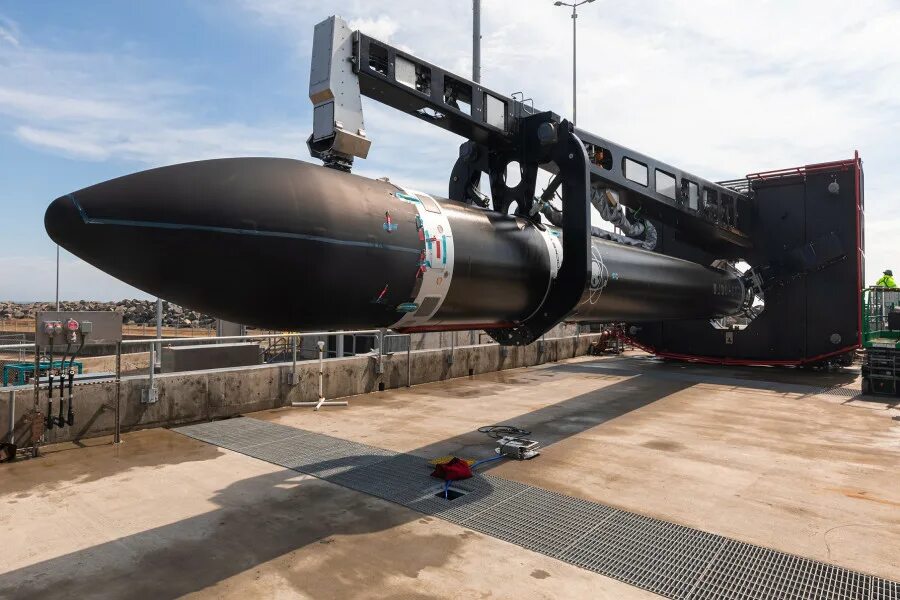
(451, 494)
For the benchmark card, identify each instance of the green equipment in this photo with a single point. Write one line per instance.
(18, 373)
(881, 341)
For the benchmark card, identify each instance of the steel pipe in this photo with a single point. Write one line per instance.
(12, 416)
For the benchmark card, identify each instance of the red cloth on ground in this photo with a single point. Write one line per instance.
(453, 470)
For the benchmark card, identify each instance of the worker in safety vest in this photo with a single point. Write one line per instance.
(887, 280)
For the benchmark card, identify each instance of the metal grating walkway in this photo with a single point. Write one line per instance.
(669, 559)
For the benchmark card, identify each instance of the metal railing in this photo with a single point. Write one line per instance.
(292, 340)
(295, 338)
(15, 339)
(877, 303)
(22, 346)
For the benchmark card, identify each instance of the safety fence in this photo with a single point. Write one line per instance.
(131, 395)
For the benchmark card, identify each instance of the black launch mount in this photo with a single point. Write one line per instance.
(698, 220)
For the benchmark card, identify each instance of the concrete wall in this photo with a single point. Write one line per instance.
(219, 393)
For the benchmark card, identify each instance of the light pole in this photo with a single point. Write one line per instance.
(57, 278)
(574, 6)
(476, 41)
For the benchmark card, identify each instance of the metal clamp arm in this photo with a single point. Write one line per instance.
(568, 288)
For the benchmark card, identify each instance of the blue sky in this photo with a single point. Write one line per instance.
(97, 89)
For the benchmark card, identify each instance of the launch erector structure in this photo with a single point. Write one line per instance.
(286, 244)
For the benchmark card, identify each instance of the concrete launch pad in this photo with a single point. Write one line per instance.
(784, 459)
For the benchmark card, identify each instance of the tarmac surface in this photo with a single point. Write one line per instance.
(766, 456)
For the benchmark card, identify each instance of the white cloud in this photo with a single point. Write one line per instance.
(97, 107)
(32, 105)
(381, 27)
(9, 32)
(166, 144)
(62, 142)
(881, 247)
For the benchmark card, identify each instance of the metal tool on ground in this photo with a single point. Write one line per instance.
(518, 448)
(511, 441)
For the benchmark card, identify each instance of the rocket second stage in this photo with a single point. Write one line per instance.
(284, 244)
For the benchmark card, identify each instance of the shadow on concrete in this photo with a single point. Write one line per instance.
(568, 418)
(62, 467)
(258, 520)
(267, 517)
(773, 379)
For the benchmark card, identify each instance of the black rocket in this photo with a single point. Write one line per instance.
(284, 244)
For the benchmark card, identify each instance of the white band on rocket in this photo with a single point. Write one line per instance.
(435, 262)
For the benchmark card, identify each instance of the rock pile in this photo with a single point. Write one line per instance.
(134, 312)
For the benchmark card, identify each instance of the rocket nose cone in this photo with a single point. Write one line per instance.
(64, 223)
(274, 243)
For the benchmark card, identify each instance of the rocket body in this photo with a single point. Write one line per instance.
(284, 244)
